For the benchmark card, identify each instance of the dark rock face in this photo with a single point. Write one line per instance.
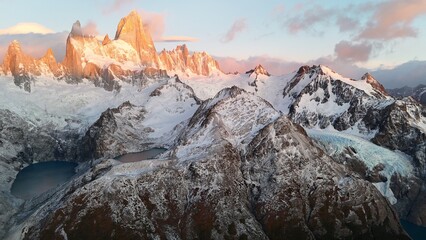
(102, 134)
(25, 143)
(399, 129)
(222, 180)
(324, 207)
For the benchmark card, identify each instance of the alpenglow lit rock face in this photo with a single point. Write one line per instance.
(180, 60)
(109, 61)
(131, 30)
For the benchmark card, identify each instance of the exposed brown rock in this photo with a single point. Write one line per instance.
(91, 71)
(16, 62)
(180, 60)
(50, 60)
(131, 30)
(23, 67)
(86, 55)
(72, 60)
(106, 40)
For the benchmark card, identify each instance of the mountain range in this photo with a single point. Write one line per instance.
(307, 155)
(418, 93)
(131, 52)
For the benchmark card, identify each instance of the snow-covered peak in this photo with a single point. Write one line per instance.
(24, 67)
(305, 75)
(368, 78)
(233, 114)
(183, 48)
(258, 70)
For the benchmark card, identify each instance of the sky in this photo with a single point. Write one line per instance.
(351, 37)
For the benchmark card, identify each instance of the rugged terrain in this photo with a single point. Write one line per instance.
(418, 93)
(129, 57)
(255, 179)
(310, 154)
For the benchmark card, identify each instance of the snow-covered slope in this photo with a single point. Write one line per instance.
(58, 105)
(153, 123)
(267, 87)
(262, 179)
(232, 115)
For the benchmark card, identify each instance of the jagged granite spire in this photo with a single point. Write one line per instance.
(131, 30)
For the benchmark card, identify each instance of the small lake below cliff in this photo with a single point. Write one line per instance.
(415, 232)
(38, 178)
(139, 156)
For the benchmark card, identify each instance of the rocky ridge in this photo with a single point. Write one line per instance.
(260, 179)
(106, 62)
(418, 93)
(318, 98)
(233, 151)
(131, 128)
(180, 60)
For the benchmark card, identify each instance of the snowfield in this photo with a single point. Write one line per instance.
(58, 105)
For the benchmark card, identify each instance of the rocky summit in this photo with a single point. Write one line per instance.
(108, 62)
(306, 155)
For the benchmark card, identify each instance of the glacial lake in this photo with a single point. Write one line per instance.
(38, 178)
(415, 232)
(139, 156)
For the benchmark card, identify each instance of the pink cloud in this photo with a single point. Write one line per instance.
(348, 51)
(177, 39)
(155, 23)
(278, 9)
(116, 5)
(393, 19)
(90, 29)
(346, 23)
(237, 27)
(275, 66)
(26, 27)
(306, 20)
